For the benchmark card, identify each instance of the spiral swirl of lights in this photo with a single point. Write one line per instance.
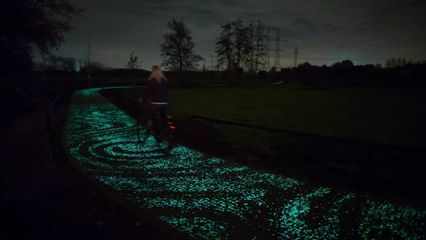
(211, 198)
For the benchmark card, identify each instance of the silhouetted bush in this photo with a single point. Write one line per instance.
(346, 74)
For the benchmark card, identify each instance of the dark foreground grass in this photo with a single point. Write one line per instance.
(372, 115)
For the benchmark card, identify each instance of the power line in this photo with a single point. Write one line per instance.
(387, 38)
(277, 48)
(342, 58)
(367, 19)
(88, 53)
(268, 35)
(296, 52)
(368, 32)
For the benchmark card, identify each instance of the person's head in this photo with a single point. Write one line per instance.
(155, 68)
(157, 74)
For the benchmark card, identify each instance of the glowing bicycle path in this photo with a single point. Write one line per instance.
(209, 198)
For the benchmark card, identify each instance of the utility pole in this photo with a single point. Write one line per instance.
(211, 63)
(88, 67)
(268, 39)
(269, 46)
(277, 49)
(180, 9)
(296, 52)
(88, 53)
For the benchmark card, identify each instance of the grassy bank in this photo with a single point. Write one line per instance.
(374, 115)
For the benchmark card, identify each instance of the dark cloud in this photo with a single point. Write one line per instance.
(366, 31)
(202, 17)
(302, 28)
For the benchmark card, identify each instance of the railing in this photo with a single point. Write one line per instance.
(290, 132)
(55, 116)
(401, 165)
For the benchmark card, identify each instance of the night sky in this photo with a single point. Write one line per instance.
(325, 31)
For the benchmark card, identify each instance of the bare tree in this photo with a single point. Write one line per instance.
(178, 48)
(241, 42)
(133, 61)
(241, 46)
(250, 48)
(224, 47)
(231, 46)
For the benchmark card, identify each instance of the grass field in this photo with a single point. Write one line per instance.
(373, 115)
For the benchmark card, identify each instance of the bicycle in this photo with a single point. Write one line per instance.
(147, 120)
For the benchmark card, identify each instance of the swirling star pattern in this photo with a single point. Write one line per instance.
(210, 198)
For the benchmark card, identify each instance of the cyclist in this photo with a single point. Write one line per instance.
(156, 94)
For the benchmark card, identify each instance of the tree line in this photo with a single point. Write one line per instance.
(39, 26)
(345, 73)
(238, 46)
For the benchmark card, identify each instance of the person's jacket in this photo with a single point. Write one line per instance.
(157, 91)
